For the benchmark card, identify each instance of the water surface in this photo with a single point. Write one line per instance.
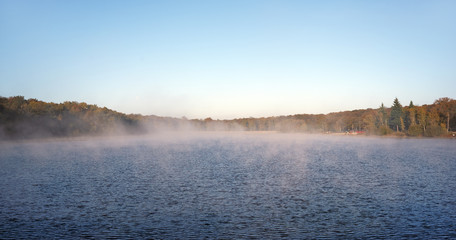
(229, 186)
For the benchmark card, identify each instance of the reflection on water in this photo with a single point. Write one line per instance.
(232, 186)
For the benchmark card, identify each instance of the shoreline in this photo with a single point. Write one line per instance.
(207, 133)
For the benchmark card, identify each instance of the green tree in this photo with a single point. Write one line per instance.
(411, 104)
(396, 115)
(409, 117)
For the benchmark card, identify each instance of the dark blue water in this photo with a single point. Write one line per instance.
(231, 186)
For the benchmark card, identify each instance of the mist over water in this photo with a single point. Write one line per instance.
(229, 185)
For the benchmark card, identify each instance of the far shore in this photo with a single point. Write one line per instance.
(172, 134)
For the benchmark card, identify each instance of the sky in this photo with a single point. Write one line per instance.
(228, 59)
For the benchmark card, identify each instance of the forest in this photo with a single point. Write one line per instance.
(22, 118)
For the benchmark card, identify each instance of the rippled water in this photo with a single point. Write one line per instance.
(229, 186)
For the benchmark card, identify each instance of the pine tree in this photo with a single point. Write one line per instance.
(411, 104)
(396, 115)
(409, 118)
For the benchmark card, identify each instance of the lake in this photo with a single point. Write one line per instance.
(229, 186)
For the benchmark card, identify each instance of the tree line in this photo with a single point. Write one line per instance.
(22, 118)
(431, 120)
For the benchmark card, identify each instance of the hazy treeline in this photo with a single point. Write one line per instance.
(427, 120)
(21, 118)
(31, 118)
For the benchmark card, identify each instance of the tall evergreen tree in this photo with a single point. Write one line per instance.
(396, 115)
(409, 118)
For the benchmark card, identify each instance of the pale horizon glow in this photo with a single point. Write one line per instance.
(229, 59)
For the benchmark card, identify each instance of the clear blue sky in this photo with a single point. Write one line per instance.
(229, 59)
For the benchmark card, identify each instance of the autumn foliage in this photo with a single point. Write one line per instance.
(22, 118)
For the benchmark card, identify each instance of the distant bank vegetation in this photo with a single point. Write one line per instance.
(22, 118)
